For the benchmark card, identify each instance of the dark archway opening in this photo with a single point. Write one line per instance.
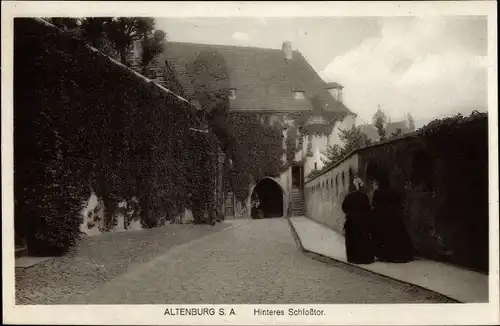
(270, 199)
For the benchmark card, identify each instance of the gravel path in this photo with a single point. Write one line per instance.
(254, 263)
(98, 259)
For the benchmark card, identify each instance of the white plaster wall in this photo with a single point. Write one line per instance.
(301, 152)
(347, 123)
(285, 181)
(134, 225)
(242, 209)
(323, 198)
(93, 217)
(321, 142)
(319, 145)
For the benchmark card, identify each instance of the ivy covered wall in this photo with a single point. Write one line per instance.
(84, 122)
(442, 174)
(255, 149)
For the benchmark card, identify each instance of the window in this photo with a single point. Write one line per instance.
(268, 120)
(299, 95)
(315, 165)
(232, 93)
(343, 179)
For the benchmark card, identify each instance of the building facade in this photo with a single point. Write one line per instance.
(278, 85)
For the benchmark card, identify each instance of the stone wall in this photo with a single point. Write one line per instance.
(444, 185)
(324, 194)
(242, 209)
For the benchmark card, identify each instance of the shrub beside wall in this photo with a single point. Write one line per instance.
(443, 176)
(255, 149)
(81, 120)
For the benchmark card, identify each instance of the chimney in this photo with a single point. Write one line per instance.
(287, 50)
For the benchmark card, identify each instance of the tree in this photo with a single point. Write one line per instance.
(121, 32)
(115, 35)
(93, 30)
(379, 121)
(397, 133)
(352, 138)
(64, 23)
(333, 154)
(211, 89)
(152, 41)
(411, 123)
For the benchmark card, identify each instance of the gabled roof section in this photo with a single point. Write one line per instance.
(263, 80)
(333, 85)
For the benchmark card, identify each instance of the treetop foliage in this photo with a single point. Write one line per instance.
(115, 35)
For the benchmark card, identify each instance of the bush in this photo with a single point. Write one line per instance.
(256, 151)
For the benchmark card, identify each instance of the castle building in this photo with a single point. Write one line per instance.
(278, 84)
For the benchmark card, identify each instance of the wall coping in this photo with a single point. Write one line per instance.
(121, 65)
(414, 134)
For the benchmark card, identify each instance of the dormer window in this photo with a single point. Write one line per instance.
(335, 90)
(337, 94)
(299, 95)
(232, 93)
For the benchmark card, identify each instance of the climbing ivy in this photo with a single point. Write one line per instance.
(439, 133)
(443, 126)
(293, 146)
(255, 149)
(94, 122)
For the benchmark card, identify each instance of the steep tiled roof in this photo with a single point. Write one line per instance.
(263, 79)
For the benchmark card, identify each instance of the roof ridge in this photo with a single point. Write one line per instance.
(238, 47)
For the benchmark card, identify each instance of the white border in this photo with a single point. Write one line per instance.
(458, 314)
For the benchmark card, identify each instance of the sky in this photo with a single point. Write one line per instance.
(429, 67)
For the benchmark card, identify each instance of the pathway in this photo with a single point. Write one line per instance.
(455, 282)
(256, 262)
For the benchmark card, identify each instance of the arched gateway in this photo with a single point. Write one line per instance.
(270, 194)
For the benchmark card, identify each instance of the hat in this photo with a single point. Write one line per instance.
(358, 182)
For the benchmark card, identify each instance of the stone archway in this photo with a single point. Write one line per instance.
(270, 194)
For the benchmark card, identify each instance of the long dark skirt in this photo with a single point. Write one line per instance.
(392, 243)
(358, 245)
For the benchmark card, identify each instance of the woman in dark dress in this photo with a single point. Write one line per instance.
(356, 206)
(391, 241)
